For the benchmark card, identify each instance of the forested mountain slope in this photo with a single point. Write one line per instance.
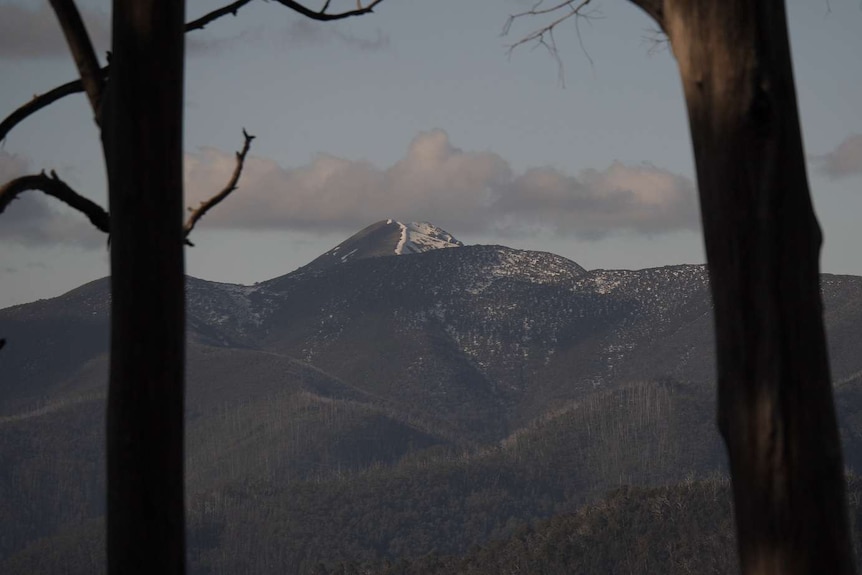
(402, 393)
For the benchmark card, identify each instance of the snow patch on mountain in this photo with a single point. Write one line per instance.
(346, 256)
(418, 237)
(385, 238)
(399, 247)
(496, 263)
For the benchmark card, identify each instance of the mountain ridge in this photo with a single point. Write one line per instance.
(481, 380)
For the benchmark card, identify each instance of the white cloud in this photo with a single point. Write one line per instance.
(843, 161)
(465, 192)
(640, 199)
(435, 181)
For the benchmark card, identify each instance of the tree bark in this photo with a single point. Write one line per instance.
(142, 137)
(775, 406)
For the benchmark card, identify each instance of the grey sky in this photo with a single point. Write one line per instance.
(29, 30)
(416, 112)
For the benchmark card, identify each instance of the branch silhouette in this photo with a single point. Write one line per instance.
(544, 36)
(323, 15)
(205, 206)
(201, 22)
(55, 187)
(40, 101)
(92, 75)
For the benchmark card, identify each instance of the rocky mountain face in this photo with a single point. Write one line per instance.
(360, 367)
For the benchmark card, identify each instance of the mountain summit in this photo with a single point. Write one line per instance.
(387, 238)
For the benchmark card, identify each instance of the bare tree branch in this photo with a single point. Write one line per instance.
(324, 16)
(204, 207)
(562, 11)
(40, 101)
(82, 51)
(570, 8)
(201, 22)
(75, 86)
(656, 40)
(544, 36)
(53, 186)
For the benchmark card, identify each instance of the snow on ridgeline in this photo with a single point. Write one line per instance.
(418, 237)
(385, 238)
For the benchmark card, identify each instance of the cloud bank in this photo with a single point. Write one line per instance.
(843, 161)
(466, 192)
(33, 219)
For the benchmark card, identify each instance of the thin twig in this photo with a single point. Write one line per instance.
(544, 36)
(204, 207)
(325, 17)
(656, 40)
(82, 52)
(581, 44)
(539, 34)
(38, 102)
(201, 22)
(53, 186)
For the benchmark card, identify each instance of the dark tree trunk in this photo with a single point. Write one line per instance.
(775, 407)
(142, 124)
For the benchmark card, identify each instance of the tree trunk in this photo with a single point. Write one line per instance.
(775, 407)
(142, 124)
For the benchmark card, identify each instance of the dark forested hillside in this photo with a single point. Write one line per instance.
(675, 530)
(370, 409)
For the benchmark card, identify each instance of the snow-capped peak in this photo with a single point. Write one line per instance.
(386, 238)
(418, 237)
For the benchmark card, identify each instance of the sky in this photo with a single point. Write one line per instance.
(417, 112)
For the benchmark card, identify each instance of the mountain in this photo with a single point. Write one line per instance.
(387, 238)
(372, 407)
